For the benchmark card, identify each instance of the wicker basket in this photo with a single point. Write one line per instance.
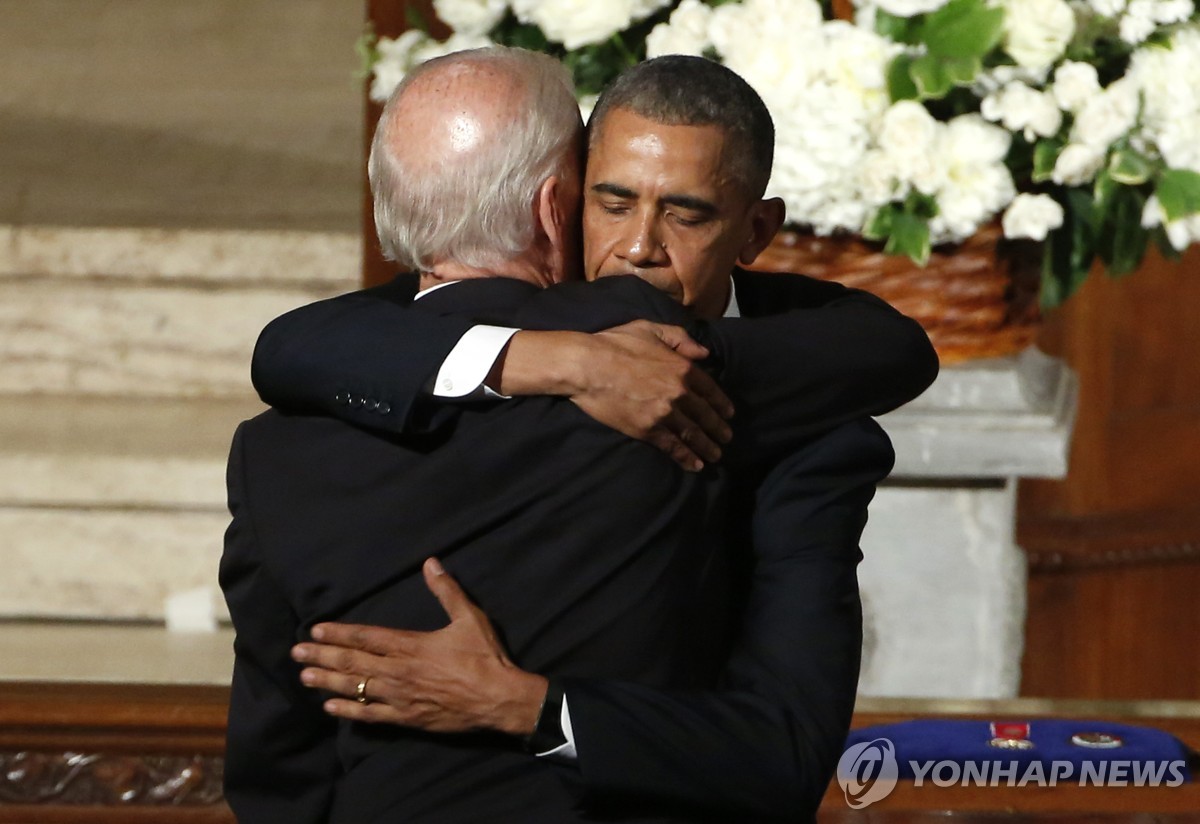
(977, 299)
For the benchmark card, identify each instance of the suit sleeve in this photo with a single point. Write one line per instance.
(766, 745)
(827, 355)
(280, 761)
(364, 357)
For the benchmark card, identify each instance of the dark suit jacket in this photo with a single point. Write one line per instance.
(855, 354)
(331, 523)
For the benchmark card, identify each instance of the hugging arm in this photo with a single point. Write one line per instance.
(824, 355)
(363, 357)
(280, 762)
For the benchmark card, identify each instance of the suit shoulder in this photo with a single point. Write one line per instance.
(769, 292)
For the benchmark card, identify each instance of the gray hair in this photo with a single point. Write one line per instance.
(683, 90)
(478, 212)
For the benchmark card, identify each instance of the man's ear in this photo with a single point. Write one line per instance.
(766, 217)
(550, 218)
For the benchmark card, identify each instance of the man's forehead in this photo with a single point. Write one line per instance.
(634, 153)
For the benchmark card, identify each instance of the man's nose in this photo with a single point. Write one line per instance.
(643, 245)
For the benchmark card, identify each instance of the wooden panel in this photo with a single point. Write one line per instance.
(388, 17)
(1115, 547)
(112, 753)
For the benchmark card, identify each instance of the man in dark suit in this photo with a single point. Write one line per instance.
(756, 702)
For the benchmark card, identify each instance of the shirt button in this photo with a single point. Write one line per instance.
(447, 384)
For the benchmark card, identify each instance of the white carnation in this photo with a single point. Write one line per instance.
(908, 8)
(1021, 108)
(1171, 107)
(578, 23)
(1181, 233)
(1078, 164)
(1138, 22)
(1031, 216)
(471, 16)
(1036, 32)
(685, 33)
(977, 183)
(1075, 84)
(1107, 116)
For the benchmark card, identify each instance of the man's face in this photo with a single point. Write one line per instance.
(661, 202)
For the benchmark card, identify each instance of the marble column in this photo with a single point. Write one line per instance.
(943, 580)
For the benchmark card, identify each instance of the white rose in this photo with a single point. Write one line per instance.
(1031, 216)
(470, 16)
(1075, 84)
(1077, 164)
(578, 23)
(396, 57)
(908, 8)
(685, 33)
(1108, 115)
(1021, 108)
(1036, 32)
(907, 136)
(877, 180)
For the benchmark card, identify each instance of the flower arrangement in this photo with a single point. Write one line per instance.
(1074, 122)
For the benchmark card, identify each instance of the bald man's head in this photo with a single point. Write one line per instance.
(461, 150)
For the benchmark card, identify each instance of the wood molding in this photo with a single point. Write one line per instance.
(76, 752)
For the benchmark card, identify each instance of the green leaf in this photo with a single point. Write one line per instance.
(414, 18)
(962, 29)
(1123, 241)
(1130, 167)
(935, 76)
(1045, 155)
(1070, 250)
(368, 53)
(930, 77)
(910, 236)
(1179, 193)
(895, 28)
(900, 81)
(880, 224)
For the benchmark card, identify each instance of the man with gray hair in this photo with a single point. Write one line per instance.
(595, 556)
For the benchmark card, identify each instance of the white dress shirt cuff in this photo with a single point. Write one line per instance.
(564, 752)
(467, 366)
